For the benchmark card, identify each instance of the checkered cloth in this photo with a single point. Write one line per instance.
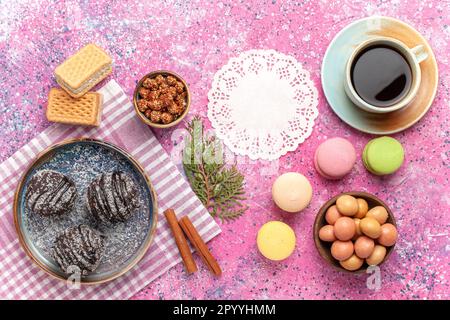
(21, 279)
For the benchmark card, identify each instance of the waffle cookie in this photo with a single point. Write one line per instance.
(80, 72)
(82, 111)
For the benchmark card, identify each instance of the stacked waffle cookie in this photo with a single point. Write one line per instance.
(63, 108)
(74, 104)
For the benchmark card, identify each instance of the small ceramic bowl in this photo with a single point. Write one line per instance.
(324, 248)
(136, 98)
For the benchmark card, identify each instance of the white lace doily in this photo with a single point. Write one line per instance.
(262, 104)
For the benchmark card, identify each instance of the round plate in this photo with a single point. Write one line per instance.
(333, 67)
(82, 160)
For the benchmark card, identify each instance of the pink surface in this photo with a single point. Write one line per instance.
(195, 39)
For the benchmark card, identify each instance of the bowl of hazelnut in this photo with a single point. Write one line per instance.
(161, 99)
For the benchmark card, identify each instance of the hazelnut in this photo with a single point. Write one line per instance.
(175, 109)
(150, 84)
(153, 95)
(156, 105)
(171, 81)
(142, 105)
(159, 79)
(179, 86)
(148, 112)
(181, 100)
(155, 116)
(166, 118)
(166, 100)
(172, 91)
(143, 92)
(164, 90)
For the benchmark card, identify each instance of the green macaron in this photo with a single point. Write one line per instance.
(383, 155)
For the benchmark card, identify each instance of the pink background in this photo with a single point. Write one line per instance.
(195, 39)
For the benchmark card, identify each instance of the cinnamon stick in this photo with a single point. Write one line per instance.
(200, 245)
(181, 242)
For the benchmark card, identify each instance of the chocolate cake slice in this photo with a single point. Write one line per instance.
(112, 197)
(79, 246)
(50, 193)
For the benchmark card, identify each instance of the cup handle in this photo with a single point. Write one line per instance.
(420, 53)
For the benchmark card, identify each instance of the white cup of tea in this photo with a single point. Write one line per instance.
(383, 74)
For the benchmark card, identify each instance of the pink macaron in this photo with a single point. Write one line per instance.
(335, 158)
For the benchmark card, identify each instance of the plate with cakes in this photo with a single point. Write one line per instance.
(85, 209)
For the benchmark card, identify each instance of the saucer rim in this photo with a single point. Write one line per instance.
(366, 130)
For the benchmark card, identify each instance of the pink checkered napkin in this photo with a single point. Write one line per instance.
(21, 279)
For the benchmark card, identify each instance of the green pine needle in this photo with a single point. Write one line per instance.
(219, 188)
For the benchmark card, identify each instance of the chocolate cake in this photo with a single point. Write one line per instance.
(50, 193)
(112, 197)
(79, 246)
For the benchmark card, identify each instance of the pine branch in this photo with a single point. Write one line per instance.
(219, 188)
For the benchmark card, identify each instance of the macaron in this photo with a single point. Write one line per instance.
(292, 192)
(276, 240)
(335, 158)
(383, 155)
